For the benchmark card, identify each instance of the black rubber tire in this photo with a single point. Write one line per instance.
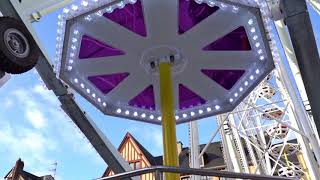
(8, 61)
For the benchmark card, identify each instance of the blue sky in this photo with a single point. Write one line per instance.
(33, 127)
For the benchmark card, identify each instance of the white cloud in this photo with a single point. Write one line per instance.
(36, 118)
(39, 132)
(33, 147)
(31, 108)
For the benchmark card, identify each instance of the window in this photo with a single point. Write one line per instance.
(204, 160)
(135, 165)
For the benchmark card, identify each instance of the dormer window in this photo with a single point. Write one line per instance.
(135, 165)
(204, 160)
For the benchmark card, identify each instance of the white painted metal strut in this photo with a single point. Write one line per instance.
(292, 61)
(225, 147)
(239, 146)
(233, 163)
(316, 5)
(300, 119)
(194, 147)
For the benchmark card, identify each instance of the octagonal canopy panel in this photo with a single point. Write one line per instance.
(110, 52)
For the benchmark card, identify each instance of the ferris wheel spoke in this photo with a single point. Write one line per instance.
(210, 29)
(224, 60)
(161, 19)
(104, 65)
(129, 88)
(114, 35)
(202, 85)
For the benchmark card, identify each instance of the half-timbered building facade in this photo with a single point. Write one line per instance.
(138, 157)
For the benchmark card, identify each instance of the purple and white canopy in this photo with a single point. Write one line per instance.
(107, 50)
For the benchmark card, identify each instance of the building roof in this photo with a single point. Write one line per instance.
(145, 152)
(213, 157)
(18, 170)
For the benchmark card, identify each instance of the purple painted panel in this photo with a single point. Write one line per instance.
(145, 99)
(236, 40)
(192, 13)
(105, 83)
(92, 48)
(188, 98)
(226, 78)
(131, 17)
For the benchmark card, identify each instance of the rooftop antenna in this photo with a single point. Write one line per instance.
(54, 170)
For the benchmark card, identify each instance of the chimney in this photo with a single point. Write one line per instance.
(17, 169)
(179, 147)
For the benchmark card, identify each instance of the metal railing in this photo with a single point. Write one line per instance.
(159, 170)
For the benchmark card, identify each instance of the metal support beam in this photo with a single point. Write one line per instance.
(233, 159)
(100, 142)
(239, 145)
(4, 77)
(299, 25)
(194, 147)
(190, 171)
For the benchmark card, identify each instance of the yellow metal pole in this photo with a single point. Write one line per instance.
(304, 166)
(168, 122)
(286, 157)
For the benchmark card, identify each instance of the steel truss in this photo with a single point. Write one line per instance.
(268, 121)
(266, 125)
